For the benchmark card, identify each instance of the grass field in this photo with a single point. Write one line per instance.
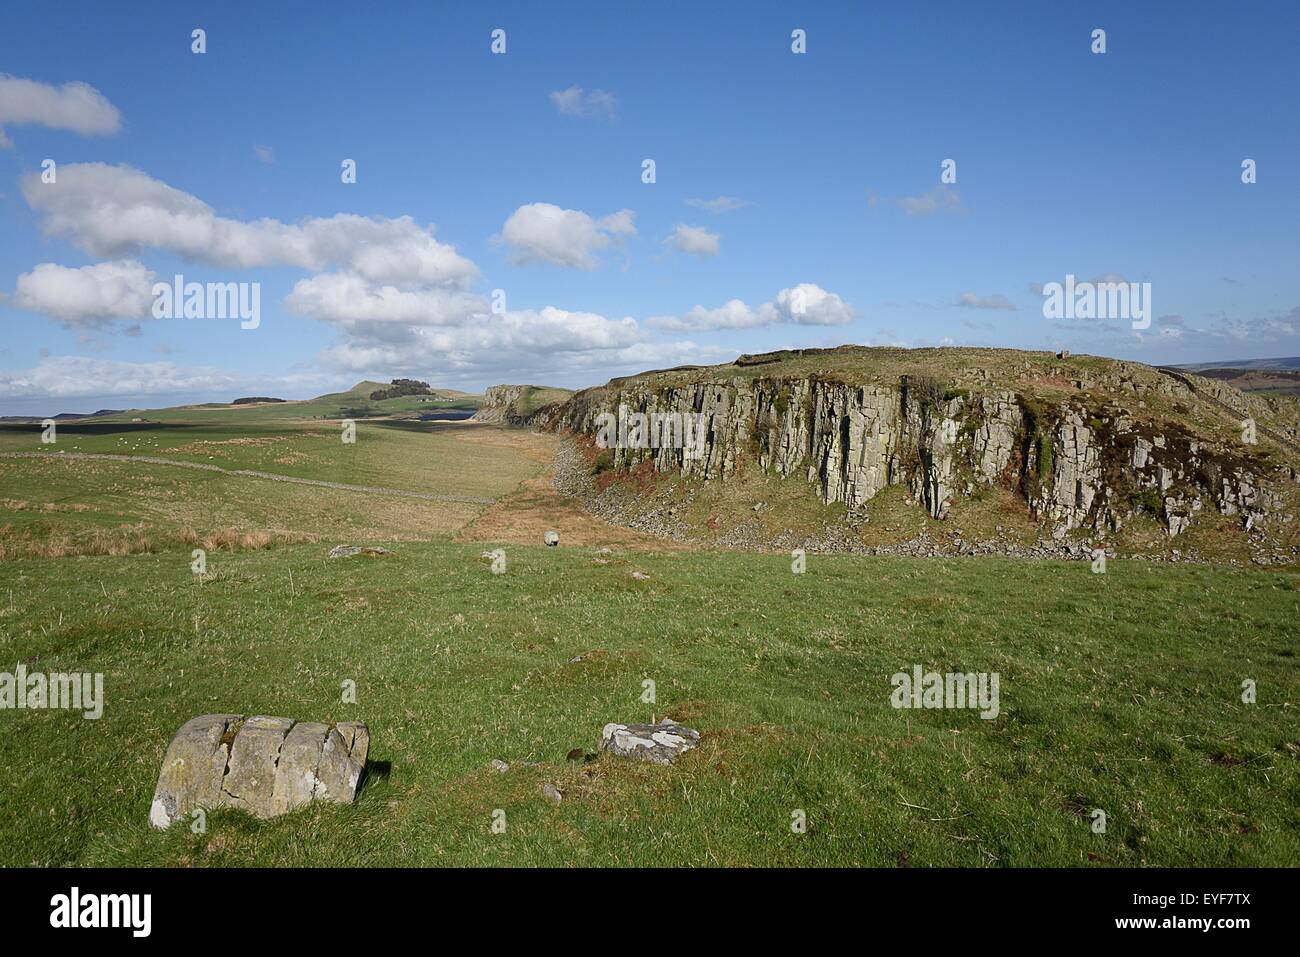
(1119, 692)
(78, 505)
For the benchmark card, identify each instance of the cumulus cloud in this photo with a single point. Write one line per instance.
(695, 239)
(941, 199)
(806, 304)
(87, 294)
(575, 102)
(344, 299)
(546, 233)
(489, 341)
(720, 204)
(78, 107)
(115, 211)
(622, 223)
(522, 345)
(970, 300)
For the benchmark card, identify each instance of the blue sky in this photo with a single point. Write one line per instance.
(523, 172)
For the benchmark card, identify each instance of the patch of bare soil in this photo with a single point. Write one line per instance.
(536, 507)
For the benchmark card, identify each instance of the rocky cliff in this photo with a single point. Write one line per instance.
(501, 405)
(1087, 443)
(516, 404)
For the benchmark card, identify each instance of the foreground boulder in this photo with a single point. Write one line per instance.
(658, 743)
(263, 765)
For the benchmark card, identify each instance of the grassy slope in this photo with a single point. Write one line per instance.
(109, 506)
(1118, 691)
(353, 403)
(534, 397)
(386, 453)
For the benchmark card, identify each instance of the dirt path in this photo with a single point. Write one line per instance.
(251, 473)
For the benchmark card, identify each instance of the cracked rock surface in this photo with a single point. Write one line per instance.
(658, 743)
(261, 764)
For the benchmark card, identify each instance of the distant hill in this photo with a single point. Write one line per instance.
(1291, 363)
(354, 403)
(1268, 381)
(61, 417)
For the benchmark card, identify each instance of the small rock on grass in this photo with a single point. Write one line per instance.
(347, 551)
(552, 793)
(499, 766)
(659, 743)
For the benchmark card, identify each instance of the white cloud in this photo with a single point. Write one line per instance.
(551, 345)
(265, 154)
(342, 299)
(88, 294)
(78, 107)
(695, 239)
(622, 223)
(545, 233)
(941, 199)
(996, 301)
(720, 204)
(575, 102)
(118, 210)
(76, 376)
(806, 304)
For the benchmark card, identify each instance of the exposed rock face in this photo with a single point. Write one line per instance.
(263, 765)
(1078, 461)
(659, 743)
(500, 405)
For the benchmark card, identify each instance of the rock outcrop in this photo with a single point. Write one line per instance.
(1082, 456)
(263, 765)
(501, 405)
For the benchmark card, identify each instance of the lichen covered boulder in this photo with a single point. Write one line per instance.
(263, 765)
(659, 743)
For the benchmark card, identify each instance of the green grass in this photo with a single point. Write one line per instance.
(59, 504)
(1118, 691)
(386, 453)
(354, 403)
(534, 397)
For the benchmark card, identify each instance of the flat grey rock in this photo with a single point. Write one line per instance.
(347, 551)
(659, 743)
